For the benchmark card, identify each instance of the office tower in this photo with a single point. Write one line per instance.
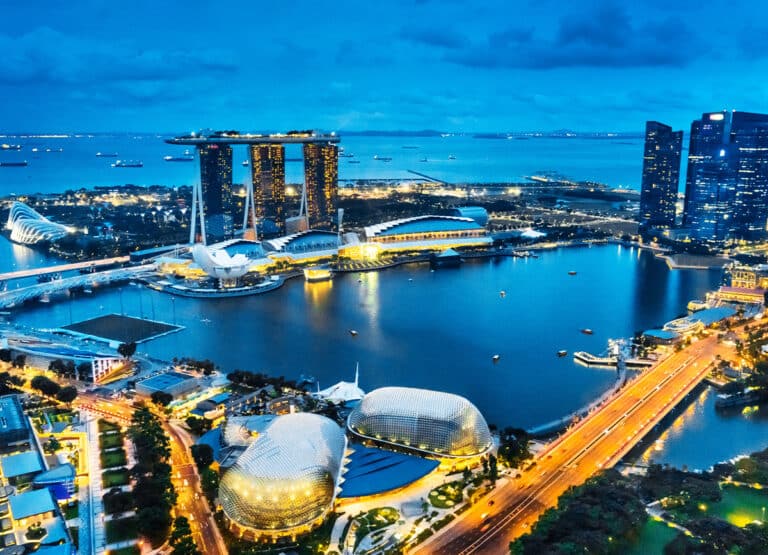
(661, 175)
(216, 184)
(321, 183)
(727, 181)
(268, 176)
(749, 138)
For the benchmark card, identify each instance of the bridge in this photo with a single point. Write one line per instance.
(598, 441)
(14, 297)
(63, 268)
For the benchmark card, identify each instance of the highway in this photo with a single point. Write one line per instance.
(598, 441)
(190, 502)
(63, 268)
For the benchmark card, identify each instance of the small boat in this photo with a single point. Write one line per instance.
(353, 161)
(424, 159)
(502, 293)
(495, 358)
(562, 353)
(587, 331)
(353, 333)
(451, 157)
(106, 154)
(87, 291)
(246, 163)
(35, 149)
(317, 273)
(410, 279)
(5, 146)
(382, 158)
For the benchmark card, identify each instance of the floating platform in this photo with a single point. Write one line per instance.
(588, 359)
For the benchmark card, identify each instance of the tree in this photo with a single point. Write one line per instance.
(53, 445)
(84, 371)
(203, 455)
(154, 523)
(127, 350)
(5, 355)
(209, 481)
(198, 426)
(20, 361)
(467, 474)
(45, 386)
(67, 394)
(181, 538)
(161, 398)
(493, 472)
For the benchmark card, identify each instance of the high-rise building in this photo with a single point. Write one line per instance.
(216, 183)
(726, 192)
(661, 175)
(321, 183)
(268, 175)
(749, 137)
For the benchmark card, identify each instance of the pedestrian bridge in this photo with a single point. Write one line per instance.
(88, 265)
(15, 297)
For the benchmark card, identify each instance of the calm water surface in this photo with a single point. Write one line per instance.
(427, 329)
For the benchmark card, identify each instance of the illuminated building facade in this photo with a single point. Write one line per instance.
(268, 177)
(427, 422)
(285, 482)
(726, 192)
(216, 184)
(661, 175)
(321, 182)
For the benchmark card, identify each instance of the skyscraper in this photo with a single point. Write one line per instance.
(726, 192)
(661, 175)
(321, 182)
(216, 183)
(749, 137)
(268, 175)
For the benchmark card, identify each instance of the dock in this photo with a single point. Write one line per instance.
(588, 359)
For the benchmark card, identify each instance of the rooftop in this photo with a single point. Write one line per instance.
(11, 414)
(55, 475)
(371, 471)
(422, 224)
(32, 502)
(21, 464)
(253, 138)
(163, 381)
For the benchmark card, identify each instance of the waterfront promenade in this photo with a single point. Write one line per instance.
(597, 442)
(58, 268)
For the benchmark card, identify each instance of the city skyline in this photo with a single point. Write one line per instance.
(339, 75)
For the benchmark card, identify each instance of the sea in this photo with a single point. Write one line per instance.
(70, 162)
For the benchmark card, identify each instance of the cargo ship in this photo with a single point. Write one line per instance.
(186, 157)
(14, 164)
(128, 164)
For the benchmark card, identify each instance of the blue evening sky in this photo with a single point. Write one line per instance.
(352, 65)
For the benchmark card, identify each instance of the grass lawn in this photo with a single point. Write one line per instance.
(447, 495)
(121, 529)
(107, 441)
(70, 511)
(654, 535)
(113, 478)
(132, 550)
(106, 426)
(739, 505)
(113, 458)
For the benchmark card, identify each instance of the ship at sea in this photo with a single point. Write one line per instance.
(128, 164)
(106, 154)
(382, 158)
(186, 157)
(6, 146)
(14, 164)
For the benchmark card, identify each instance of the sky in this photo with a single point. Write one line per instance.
(496, 65)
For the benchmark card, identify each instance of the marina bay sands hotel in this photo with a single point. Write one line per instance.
(216, 204)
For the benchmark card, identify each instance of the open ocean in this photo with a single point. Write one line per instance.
(617, 162)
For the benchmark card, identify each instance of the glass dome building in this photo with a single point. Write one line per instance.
(429, 422)
(285, 482)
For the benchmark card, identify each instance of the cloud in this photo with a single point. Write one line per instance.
(48, 57)
(429, 36)
(605, 37)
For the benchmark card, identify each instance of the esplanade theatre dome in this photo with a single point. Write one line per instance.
(430, 422)
(285, 481)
